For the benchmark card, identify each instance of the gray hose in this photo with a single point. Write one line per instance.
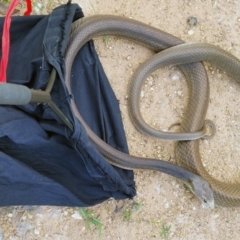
(14, 94)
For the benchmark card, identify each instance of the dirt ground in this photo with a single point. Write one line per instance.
(163, 208)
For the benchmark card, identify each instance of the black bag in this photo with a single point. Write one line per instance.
(42, 162)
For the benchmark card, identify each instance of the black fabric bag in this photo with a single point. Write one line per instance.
(42, 162)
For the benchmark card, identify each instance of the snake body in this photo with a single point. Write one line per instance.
(193, 121)
(187, 152)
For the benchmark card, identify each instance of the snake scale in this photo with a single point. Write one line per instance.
(169, 51)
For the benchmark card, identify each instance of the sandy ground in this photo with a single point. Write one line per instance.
(163, 208)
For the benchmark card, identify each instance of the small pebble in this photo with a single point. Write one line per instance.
(150, 78)
(175, 77)
(150, 82)
(190, 32)
(192, 21)
(167, 205)
(36, 231)
(179, 93)
(158, 189)
(205, 142)
(76, 215)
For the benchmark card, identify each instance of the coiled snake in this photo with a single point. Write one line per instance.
(188, 57)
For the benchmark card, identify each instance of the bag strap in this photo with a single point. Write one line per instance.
(6, 37)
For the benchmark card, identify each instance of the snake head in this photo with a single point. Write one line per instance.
(202, 190)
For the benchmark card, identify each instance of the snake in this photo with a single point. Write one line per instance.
(187, 152)
(170, 50)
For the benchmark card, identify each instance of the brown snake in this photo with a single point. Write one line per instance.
(187, 152)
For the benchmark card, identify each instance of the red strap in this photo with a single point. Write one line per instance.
(29, 8)
(6, 37)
